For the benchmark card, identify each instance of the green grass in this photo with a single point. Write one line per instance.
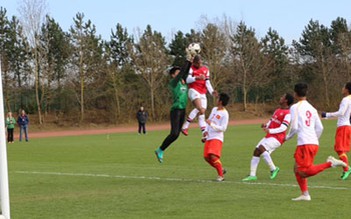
(117, 176)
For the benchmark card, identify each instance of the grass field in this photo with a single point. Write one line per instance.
(117, 176)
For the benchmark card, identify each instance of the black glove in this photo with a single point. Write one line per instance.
(324, 114)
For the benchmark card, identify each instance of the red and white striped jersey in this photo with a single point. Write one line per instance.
(280, 117)
(199, 85)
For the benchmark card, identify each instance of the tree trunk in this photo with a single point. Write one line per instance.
(118, 109)
(244, 91)
(244, 99)
(325, 81)
(37, 98)
(81, 74)
(81, 100)
(152, 103)
(347, 64)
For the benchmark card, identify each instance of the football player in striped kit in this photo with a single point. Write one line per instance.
(275, 136)
(199, 84)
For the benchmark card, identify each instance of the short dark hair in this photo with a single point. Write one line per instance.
(348, 87)
(289, 98)
(224, 98)
(174, 69)
(300, 89)
(197, 58)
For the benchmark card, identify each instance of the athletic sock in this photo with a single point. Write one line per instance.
(343, 157)
(190, 118)
(302, 183)
(254, 164)
(268, 159)
(186, 123)
(202, 122)
(216, 163)
(306, 193)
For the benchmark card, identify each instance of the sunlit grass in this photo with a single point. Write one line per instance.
(118, 176)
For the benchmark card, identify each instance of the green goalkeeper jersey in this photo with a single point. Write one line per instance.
(179, 93)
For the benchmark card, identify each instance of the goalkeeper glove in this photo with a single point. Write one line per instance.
(189, 55)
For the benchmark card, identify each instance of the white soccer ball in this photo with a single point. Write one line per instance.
(194, 48)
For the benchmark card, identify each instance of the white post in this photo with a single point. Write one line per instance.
(4, 177)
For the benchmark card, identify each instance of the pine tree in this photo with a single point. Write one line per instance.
(86, 61)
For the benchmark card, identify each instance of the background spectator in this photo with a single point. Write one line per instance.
(142, 116)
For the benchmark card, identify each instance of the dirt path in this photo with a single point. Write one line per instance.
(165, 126)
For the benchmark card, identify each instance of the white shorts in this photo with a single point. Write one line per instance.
(194, 94)
(270, 144)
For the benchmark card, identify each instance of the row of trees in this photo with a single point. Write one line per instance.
(79, 76)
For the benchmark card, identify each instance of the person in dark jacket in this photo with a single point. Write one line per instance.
(142, 116)
(23, 122)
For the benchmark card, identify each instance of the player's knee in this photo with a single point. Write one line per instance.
(213, 157)
(174, 135)
(302, 174)
(257, 152)
(295, 168)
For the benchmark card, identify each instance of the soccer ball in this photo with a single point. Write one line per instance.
(194, 48)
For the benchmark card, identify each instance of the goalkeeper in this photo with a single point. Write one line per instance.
(179, 90)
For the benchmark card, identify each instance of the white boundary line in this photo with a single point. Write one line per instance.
(171, 179)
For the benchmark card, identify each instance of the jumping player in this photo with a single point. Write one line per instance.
(217, 124)
(180, 99)
(199, 83)
(343, 131)
(275, 135)
(306, 123)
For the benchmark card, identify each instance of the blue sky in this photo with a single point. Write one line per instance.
(288, 17)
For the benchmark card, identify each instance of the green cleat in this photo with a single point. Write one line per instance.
(346, 174)
(274, 173)
(249, 178)
(159, 155)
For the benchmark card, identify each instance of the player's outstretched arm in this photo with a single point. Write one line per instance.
(185, 70)
(341, 112)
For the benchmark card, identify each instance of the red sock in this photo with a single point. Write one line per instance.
(343, 157)
(216, 163)
(302, 182)
(315, 169)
